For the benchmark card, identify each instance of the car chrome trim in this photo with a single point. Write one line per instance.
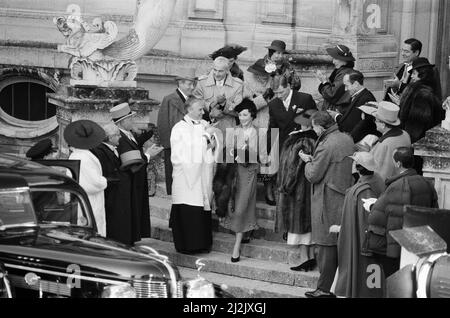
(97, 280)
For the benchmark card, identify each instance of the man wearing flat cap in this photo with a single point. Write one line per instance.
(122, 116)
(352, 264)
(387, 122)
(81, 136)
(173, 110)
(221, 93)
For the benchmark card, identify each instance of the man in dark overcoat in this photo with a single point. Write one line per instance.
(117, 193)
(173, 110)
(329, 170)
(140, 211)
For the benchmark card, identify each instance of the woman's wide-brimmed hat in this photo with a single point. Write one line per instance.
(365, 159)
(120, 112)
(186, 74)
(130, 158)
(420, 62)
(387, 112)
(229, 51)
(84, 134)
(258, 68)
(304, 118)
(277, 45)
(341, 52)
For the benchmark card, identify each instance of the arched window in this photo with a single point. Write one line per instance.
(25, 99)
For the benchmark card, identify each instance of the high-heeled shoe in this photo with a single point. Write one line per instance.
(236, 259)
(270, 202)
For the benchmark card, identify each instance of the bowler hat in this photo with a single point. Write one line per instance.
(278, 46)
(364, 159)
(41, 149)
(387, 112)
(258, 68)
(341, 52)
(120, 112)
(130, 158)
(84, 134)
(229, 51)
(304, 118)
(419, 63)
(186, 74)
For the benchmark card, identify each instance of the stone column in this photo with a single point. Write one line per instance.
(362, 26)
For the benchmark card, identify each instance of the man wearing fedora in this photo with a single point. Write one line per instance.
(173, 110)
(332, 89)
(392, 137)
(352, 264)
(81, 136)
(130, 145)
(221, 93)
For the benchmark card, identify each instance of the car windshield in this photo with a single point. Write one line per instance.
(16, 209)
(60, 208)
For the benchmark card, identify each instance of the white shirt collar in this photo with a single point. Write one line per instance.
(182, 93)
(193, 121)
(113, 148)
(358, 92)
(128, 134)
(287, 101)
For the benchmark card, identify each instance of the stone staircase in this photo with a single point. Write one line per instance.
(262, 272)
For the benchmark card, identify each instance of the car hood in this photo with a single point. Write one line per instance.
(64, 248)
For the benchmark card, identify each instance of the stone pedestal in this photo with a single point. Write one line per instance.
(434, 148)
(360, 26)
(93, 103)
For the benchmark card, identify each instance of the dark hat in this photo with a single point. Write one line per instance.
(341, 52)
(120, 112)
(278, 46)
(84, 134)
(304, 118)
(420, 62)
(186, 74)
(246, 104)
(229, 51)
(41, 149)
(258, 68)
(130, 158)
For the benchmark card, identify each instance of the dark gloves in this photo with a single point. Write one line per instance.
(268, 94)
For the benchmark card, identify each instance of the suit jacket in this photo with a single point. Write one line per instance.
(172, 110)
(284, 120)
(352, 115)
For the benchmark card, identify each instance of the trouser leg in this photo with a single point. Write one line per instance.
(328, 263)
(168, 168)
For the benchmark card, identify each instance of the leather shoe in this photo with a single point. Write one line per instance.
(270, 202)
(235, 260)
(318, 293)
(307, 266)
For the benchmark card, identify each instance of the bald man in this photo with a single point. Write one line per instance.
(221, 93)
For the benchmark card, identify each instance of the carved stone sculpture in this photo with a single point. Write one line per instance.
(446, 121)
(97, 58)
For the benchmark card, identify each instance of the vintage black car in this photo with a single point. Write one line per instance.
(49, 246)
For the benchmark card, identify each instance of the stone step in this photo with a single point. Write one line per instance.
(216, 262)
(247, 288)
(224, 242)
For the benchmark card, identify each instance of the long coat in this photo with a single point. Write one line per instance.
(140, 217)
(383, 150)
(233, 90)
(117, 196)
(93, 182)
(407, 188)
(353, 265)
(420, 110)
(294, 200)
(333, 91)
(352, 115)
(172, 110)
(330, 174)
(284, 119)
(193, 164)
